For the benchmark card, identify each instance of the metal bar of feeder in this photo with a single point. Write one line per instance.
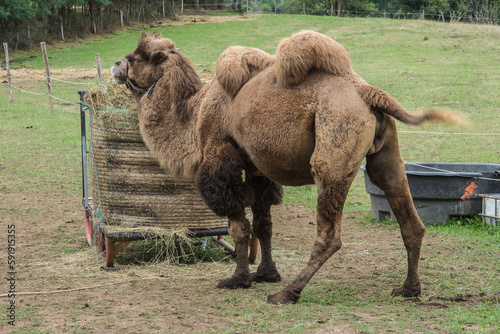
(141, 236)
(84, 151)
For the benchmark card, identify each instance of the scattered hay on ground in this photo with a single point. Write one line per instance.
(87, 267)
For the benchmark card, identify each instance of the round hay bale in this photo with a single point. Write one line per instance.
(129, 188)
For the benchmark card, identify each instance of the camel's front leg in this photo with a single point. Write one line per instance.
(219, 181)
(239, 230)
(266, 193)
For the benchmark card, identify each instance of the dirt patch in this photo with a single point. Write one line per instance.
(199, 17)
(70, 291)
(24, 77)
(23, 73)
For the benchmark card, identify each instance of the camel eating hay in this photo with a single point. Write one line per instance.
(300, 117)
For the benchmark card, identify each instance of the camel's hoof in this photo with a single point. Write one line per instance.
(269, 277)
(405, 292)
(234, 283)
(283, 297)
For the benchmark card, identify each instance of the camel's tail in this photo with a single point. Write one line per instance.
(381, 101)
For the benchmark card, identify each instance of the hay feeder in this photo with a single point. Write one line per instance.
(132, 197)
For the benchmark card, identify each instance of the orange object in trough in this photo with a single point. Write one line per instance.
(468, 191)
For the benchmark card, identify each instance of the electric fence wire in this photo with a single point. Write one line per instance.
(410, 132)
(44, 76)
(35, 93)
(51, 77)
(451, 133)
(448, 171)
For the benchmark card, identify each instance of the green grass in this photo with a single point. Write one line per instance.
(357, 201)
(470, 227)
(422, 64)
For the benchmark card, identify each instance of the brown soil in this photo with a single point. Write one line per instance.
(70, 291)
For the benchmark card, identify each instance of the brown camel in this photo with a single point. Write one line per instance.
(300, 117)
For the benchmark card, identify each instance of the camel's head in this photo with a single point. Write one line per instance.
(143, 66)
(119, 71)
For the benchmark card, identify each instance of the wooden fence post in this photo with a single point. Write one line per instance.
(6, 49)
(47, 71)
(98, 64)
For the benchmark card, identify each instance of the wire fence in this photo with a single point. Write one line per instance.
(255, 7)
(400, 131)
(450, 17)
(88, 84)
(51, 78)
(45, 76)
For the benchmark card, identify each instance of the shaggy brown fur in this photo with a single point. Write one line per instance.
(303, 117)
(220, 174)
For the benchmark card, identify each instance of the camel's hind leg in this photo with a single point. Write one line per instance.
(339, 152)
(386, 170)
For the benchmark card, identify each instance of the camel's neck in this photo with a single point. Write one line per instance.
(167, 120)
(137, 92)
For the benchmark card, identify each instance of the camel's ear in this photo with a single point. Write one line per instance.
(158, 57)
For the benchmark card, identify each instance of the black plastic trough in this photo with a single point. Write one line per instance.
(441, 190)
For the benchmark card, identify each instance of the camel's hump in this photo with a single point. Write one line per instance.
(307, 51)
(296, 56)
(237, 64)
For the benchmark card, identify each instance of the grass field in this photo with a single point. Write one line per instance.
(422, 64)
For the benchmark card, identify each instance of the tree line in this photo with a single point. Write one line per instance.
(475, 11)
(23, 23)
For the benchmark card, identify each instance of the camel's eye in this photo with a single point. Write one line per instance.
(130, 58)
